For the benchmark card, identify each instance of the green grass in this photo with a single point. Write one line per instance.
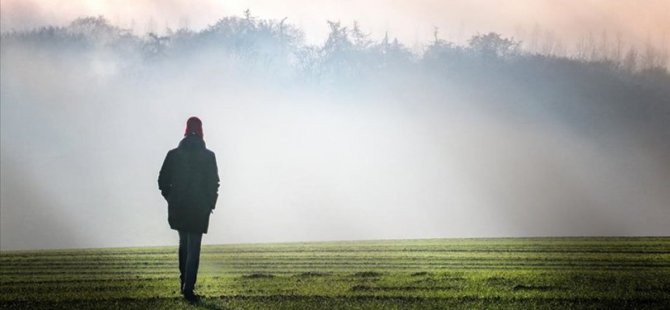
(553, 273)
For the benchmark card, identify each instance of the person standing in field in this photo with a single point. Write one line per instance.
(189, 181)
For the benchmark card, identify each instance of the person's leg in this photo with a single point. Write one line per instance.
(183, 238)
(192, 261)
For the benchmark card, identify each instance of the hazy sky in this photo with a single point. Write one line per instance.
(635, 21)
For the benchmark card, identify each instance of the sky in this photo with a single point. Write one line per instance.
(637, 22)
(84, 133)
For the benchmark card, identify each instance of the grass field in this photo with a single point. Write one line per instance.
(521, 273)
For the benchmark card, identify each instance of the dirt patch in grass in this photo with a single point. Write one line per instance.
(310, 274)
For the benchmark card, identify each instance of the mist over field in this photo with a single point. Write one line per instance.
(353, 138)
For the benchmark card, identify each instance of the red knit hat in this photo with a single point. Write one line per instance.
(194, 125)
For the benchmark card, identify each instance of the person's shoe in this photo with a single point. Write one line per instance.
(191, 297)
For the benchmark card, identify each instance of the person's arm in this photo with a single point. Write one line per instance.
(165, 176)
(213, 182)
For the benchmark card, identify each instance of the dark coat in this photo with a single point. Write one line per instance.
(189, 181)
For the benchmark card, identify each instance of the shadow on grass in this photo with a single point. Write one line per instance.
(206, 303)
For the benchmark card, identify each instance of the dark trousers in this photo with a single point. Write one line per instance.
(189, 259)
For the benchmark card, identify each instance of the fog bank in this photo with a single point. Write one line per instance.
(321, 143)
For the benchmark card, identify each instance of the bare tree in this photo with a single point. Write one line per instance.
(493, 45)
